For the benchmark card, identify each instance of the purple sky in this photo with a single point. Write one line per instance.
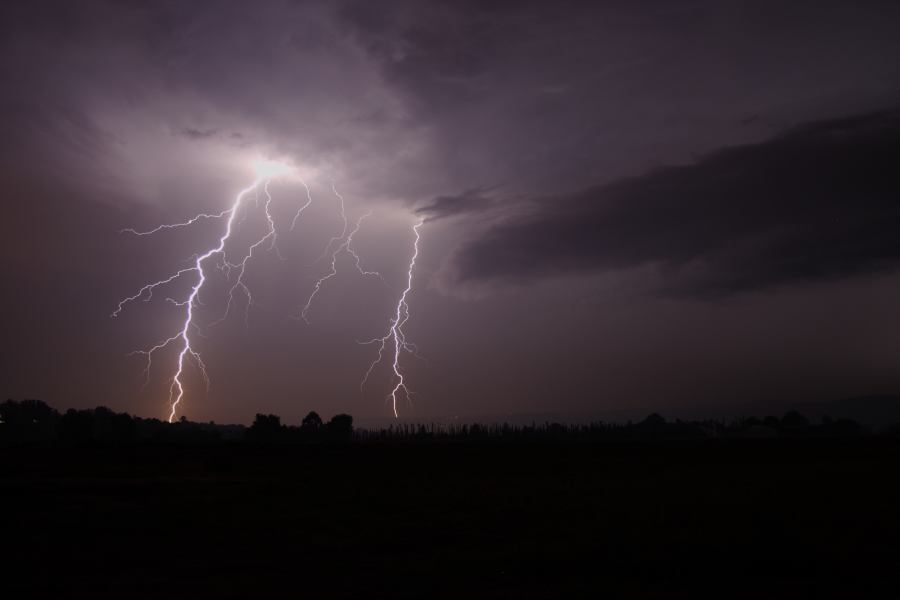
(630, 206)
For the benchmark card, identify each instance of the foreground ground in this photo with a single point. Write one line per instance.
(777, 518)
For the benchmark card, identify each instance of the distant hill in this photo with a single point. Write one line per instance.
(873, 411)
(876, 411)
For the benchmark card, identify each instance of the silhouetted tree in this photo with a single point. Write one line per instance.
(311, 423)
(794, 420)
(76, 426)
(340, 427)
(28, 420)
(265, 428)
(840, 427)
(653, 425)
(109, 426)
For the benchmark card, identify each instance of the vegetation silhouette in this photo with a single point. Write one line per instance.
(34, 421)
(651, 508)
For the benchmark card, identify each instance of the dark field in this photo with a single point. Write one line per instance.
(762, 518)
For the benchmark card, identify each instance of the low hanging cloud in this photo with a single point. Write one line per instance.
(467, 202)
(819, 201)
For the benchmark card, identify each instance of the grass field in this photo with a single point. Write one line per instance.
(770, 518)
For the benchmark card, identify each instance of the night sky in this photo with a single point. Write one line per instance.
(628, 206)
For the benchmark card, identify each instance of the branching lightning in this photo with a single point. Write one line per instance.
(241, 267)
(183, 338)
(187, 223)
(396, 336)
(347, 246)
(341, 235)
(234, 272)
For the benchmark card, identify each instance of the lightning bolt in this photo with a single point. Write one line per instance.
(347, 246)
(183, 338)
(187, 223)
(302, 207)
(343, 219)
(396, 336)
(242, 266)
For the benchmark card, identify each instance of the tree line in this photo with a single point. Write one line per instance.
(653, 427)
(34, 421)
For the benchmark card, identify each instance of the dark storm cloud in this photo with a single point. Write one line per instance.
(199, 134)
(124, 113)
(820, 201)
(277, 78)
(469, 201)
(561, 95)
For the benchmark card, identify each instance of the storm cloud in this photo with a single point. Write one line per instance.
(465, 203)
(820, 201)
(593, 151)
